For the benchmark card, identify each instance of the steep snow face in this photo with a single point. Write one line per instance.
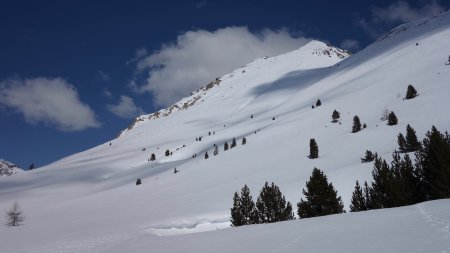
(91, 197)
(8, 168)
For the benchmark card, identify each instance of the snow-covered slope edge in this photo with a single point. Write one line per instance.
(8, 168)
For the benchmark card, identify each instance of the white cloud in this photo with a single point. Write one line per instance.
(126, 108)
(197, 57)
(107, 93)
(396, 13)
(350, 44)
(51, 101)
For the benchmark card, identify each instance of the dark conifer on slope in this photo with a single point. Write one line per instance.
(412, 144)
(244, 141)
(206, 155)
(244, 210)
(401, 142)
(318, 102)
(358, 202)
(225, 146)
(392, 119)
(335, 116)
(369, 156)
(356, 124)
(433, 164)
(411, 92)
(233, 143)
(321, 197)
(272, 205)
(153, 157)
(313, 149)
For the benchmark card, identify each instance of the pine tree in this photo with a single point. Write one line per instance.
(31, 167)
(14, 216)
(313, 149)
(216, 150)
(244, 141)
(433, 164)
(237, 218)
(401, 142)
(244, 210)
(318, 103)
(233, 143)
(167, 152)
(358, 201)
(411, 92)
(272, 205)
(371, 202)
(412, 144)
(368, 157)
(356, 124)
(392, 119)
(382, 185)
(206, 155)
(138, 181)
(321, 197)
(152, 157)
(335, 116)
(225, 146)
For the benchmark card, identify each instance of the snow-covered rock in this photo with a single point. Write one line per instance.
(8, 168)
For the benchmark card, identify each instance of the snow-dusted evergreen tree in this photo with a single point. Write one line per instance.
(167, 152)
(225, 146)
(244, 141)
(356, 124)
(313, 149)
(392, 119)
(244, 210)
(410, 92)
(272, 205)
(321, 197)
(206, 155)
(14, 216)
(152, 157)
(335, 116)
(216, 150)
(358, 202)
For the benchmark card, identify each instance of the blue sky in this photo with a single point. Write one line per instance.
(73, 74)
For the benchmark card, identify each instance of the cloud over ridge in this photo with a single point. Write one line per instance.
(199, 56)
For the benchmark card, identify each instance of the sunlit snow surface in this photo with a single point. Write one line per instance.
(88, 202)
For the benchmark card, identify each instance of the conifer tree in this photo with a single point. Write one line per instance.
(411, 92)
(313, 149)
(216, 150)
(233, 143)
(152, 157)
(321, 197)
(401, 142)
(356, 124)
(382, 192)
(31, 167)
(433, 164)
(412, 144)
(369, 156)
(244, 141)
(272, 205)
(358, 201)
(335, 116)
(206, 155)
(225, 146)
(244, 210)
(167, 152)
(237, 218)
(371, 202)
(318, 102)
(392, 119)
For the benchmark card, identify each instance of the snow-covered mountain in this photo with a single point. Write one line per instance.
(8, 168)
(88, 202)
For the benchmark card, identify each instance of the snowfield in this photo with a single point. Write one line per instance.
(88, 202)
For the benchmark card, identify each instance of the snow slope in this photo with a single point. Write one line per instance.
(88, 202)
